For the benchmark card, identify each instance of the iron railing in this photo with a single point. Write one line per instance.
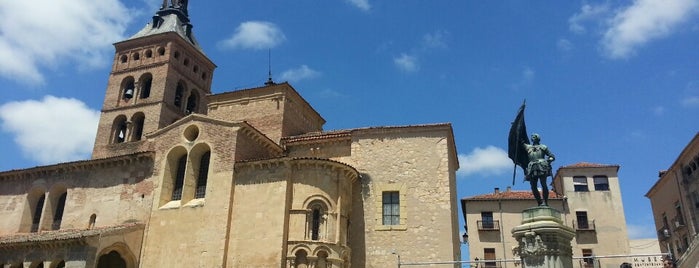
(491, 225)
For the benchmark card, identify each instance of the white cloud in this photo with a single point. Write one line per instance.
(300, 73)
(81, 31)
(51, 130)
(643, 21)
(587, 13)
(406, 63)
(490, 160)
(658, 110)
(255, 35)
(361, 4)
(435, 40)
(690, 102)
(564, 45)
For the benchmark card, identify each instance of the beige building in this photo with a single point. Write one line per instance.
(675, 202)
(181, 177)
(589, 199)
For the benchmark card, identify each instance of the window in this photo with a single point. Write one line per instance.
(588, 261)
(149, 53)
(489, 254)
(203, 175)
(58, 214)
(137, 127)
(161, 51)
(679, 219)
(315, 222)
(127, 87)
(179, 178)
(391, 208)
(119, 129)
(582, 221)
(146, 81)
(178, 95)
(601, 183)
(136, 56)
(123, 58)
(36, 217)
(191, 104)
(580, 184)
(93, 219)
(487, 220)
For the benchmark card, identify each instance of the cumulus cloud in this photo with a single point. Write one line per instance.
(81, 31)
(576, 23)
(406, 63)
(301, 73)
(51, 130)
(690, 102)
(361, 4)
(643, 21)
(255, 35)
(490, 160)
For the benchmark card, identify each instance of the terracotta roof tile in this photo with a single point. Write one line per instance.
(587, 164)
(64, 234)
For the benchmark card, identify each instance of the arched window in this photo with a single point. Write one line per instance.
(179, 178)
(36, 216)
(149, 53)
(58, 213)
(119, 129)
(179, 94)
(322, 261)
(111, 260)
(203, 175)
(137, 127)
(128, 87)
(145, 82)
(301, 260)
(316, 220)
(93, 219)
(191, 103)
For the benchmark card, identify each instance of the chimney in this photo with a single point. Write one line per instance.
(497, 190)
(509, 188)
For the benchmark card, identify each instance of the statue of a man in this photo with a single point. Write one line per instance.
(180, 4)
(538, 168)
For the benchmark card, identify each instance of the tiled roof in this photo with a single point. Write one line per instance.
(64, 235)
(348, 132)
(509, 195)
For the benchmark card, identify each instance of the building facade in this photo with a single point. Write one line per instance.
(589, 199)
(674, 199)
(181, 177)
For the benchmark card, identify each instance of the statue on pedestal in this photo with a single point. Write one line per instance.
(535, 159)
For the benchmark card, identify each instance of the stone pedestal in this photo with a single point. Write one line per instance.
(544, 242)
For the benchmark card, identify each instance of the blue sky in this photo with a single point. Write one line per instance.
(611, 82)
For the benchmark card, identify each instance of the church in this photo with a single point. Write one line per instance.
(183, 177)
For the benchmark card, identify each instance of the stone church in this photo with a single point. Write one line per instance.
(183, 177)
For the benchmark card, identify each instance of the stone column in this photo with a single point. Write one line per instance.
(544, 242)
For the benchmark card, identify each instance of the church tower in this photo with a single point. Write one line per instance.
(159, 75)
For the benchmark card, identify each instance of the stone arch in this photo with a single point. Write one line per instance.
(145, 83)
(192, 103)
(317, 208)
(173, 180)
(329, 205)
(128, 88)
(36, 199)
(137, 121)
(116, 255)
(57, 196)
(119, 128)
(200, 156)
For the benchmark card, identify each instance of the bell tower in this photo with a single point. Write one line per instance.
(159, 75)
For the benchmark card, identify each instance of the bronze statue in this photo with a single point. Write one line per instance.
(179, 4)
(535, 159)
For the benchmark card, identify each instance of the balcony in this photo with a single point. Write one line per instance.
(584, 225)
(664, 233)
(492, 225)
